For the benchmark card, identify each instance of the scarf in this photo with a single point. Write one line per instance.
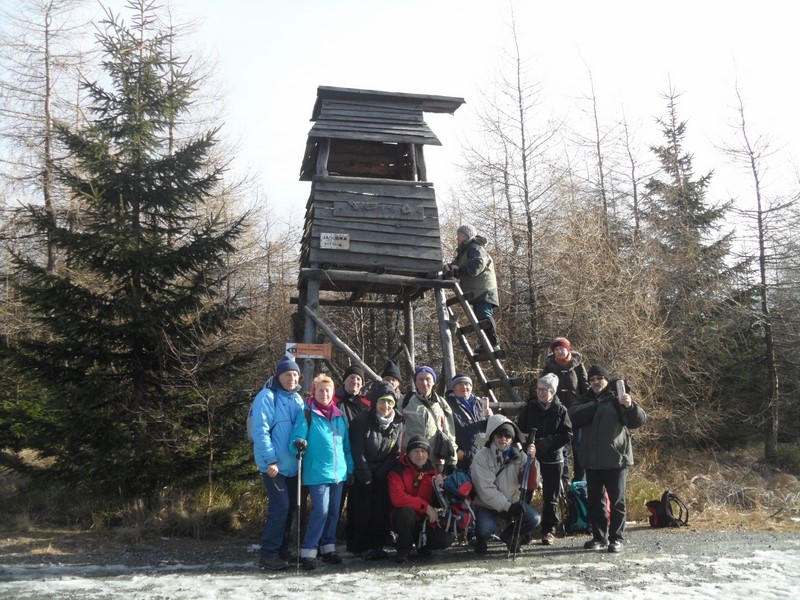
(325, 409)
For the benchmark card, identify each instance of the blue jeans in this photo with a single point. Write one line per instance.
(281, 501)
(486, 521)
(321, 529)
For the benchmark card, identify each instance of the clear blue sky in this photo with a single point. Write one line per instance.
(274, 53)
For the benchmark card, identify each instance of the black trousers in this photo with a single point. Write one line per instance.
(551, 490)
(598, 482)
(408, 526)
(368, 508)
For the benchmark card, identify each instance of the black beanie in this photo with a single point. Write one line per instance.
(353, 369)
(391, 369)
(598, 371)
(507, 428)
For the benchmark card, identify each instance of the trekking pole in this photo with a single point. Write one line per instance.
(523, 490)
(300, 451)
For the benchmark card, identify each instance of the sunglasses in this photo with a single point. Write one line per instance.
(591, 379)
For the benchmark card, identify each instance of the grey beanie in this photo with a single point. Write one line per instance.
(467, 230)
(550, 381)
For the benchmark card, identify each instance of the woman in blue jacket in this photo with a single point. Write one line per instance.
(320, 432)
(270, 423)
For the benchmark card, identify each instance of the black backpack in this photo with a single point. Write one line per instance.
(662, 513)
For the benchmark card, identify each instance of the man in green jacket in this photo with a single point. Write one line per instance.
(474, 269)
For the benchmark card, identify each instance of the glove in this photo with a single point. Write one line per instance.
(301, 445)
(516, 509)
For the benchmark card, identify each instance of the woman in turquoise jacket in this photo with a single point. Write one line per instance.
(321, 434)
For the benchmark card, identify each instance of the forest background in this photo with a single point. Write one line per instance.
(147, 283)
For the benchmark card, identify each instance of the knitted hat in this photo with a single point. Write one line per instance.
(286, 363)
(467, 230)
(391, 369)
(550, 381)
(380, 389)
(353, 370)
(560, 341)
(418, 441)
(461, 378)
(425, 369)
(598, 371)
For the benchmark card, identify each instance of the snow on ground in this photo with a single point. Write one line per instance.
(570, 574)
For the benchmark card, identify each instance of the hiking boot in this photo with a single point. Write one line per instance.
(285, 554)
(308, 563)
(548, 539)
(481, 547)
(273, 563)
(331, 558)
(595, 544)
(615, 546)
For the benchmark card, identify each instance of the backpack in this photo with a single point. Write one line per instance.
(662, 513)
(577, 520)
(457, 493)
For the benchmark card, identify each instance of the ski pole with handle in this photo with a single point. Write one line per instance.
(517, 531)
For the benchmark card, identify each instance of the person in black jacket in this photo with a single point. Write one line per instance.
(573, 383)
(470, 415)
(606, 418)
(375, 449)
(549, 417)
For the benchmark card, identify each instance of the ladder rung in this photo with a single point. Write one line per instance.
(499, 354)
(471, 328)
(494, 384)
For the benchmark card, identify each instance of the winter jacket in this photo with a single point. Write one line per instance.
(605, 424)
(270, 422)
(553, 428)
(470, 423)
(327, 458)
(572, 379)
(350, 405)
(497, 479)
(476, 271)
(410, 487)
(422, 416)
(375, 450)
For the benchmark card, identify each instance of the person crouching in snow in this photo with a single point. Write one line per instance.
(496, 471)
(327, 464)
(411, 492)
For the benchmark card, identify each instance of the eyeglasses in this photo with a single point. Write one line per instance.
(388, 401)
(507, 436)
(538, 389)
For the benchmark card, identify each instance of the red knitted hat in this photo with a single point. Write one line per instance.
(560, 341)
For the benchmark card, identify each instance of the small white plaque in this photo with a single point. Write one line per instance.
(334, 241)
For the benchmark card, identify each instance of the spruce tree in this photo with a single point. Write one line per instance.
(687, 258)
(133, 318)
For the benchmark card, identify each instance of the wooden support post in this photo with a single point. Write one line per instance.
(408, 334)
(448, 361)
(310, 333)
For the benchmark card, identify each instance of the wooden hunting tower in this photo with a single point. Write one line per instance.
(371, 223)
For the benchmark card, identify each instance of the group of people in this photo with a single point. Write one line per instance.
(387, 452)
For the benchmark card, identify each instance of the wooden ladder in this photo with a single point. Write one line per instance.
(482, 353)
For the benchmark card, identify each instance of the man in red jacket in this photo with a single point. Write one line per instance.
(411, 492)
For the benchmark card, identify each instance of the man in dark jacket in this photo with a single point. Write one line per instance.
(348, 398)
(474, 269)
(470, 418)
(605, 418)
(549, 418)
